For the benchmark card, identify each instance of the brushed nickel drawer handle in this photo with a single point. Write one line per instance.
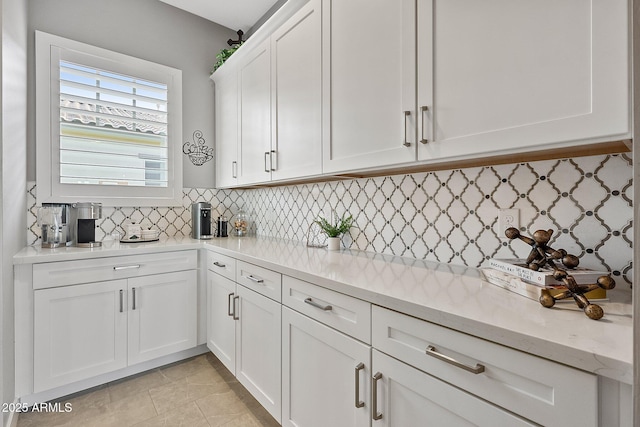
(254, 279)
(235, 315)
(217, 264)
(359, 403)
(312, 303)
(375, 415)
(121, 300)
(424, 110)
(134, 298)
(431, 351)
(406, 143)
(126, 267)
(229, 301)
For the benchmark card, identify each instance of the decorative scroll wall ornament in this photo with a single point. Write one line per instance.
(541, 254)
(197, 151)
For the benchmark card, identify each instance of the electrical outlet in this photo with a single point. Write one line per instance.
(508, 218)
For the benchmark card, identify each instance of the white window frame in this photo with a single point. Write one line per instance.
(48, 186)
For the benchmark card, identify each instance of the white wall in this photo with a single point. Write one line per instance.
(13, 177)
(146, 29)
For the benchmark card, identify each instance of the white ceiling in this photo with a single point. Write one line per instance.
(234, 14)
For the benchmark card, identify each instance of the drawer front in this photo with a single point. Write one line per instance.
(344, 313)
(261, 280)
(53, 274)
(537, 389)
(222, 264)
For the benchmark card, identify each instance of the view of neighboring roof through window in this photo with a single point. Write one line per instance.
(113, 128)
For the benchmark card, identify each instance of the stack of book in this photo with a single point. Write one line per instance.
(513, 275)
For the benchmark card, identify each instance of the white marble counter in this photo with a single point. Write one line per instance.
(452, 296)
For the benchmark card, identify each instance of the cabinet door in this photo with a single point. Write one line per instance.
(79, 332)
(221, 332)
(162, 315)
(321, 382)
(370, 83)
(409, 397)
(258, 360)
(512, 76)
(226, 127)
(254, 92)
(296, 73)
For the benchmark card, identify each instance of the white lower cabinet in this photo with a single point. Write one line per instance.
(325, 379)
(162, 315)
(243, 331)
(405, 396)
(80, 332)
(85, 330)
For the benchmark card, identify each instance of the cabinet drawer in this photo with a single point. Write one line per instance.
(261, 280)
(64, 273)
(222, 264)
(535, 388)
(342, 312)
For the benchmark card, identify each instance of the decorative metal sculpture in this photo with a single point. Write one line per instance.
(541, 254)
(232, 42)
(197, 151)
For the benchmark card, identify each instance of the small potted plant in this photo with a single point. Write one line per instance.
(335, 230)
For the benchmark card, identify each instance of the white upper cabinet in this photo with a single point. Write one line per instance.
(296, 81)
(514, 76)
(254, 98)
(369, 83)
(226, 126)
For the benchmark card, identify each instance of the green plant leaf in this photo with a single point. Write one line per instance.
(338, 227)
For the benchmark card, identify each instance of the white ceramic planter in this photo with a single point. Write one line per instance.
(333, 243)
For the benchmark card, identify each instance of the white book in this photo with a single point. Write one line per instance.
(544, 276)
(520, 287)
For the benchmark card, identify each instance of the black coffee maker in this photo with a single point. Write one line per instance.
(83, 224)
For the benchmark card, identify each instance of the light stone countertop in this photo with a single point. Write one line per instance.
(451, 296)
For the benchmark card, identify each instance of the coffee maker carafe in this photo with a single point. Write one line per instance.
(84, 216)
(50, 223)
(67, 237)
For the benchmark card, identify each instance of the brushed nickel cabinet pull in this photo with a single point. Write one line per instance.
(359, 367)
(431, 351)
(235, 314)
(121, 300)
(254, 279)
(271, 157)
(217, 264)
(312, 303)
(266, 155)
(126, 267)
(229, 300)
(406, 117)
(234, 169)
(375, 415)
(424, 110)
(133, 307)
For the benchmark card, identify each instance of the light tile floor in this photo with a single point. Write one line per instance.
(196, 392)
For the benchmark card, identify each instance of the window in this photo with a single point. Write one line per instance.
(108, 126)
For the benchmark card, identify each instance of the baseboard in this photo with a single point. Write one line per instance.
(68, 389)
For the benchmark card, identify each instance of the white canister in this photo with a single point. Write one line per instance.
(134, 231)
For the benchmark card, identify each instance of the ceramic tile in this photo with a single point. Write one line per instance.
(430, 215)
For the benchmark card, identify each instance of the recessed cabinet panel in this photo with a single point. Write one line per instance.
(162, 315)
(226, 126)
(518, 75)
(79, 332)
(370, 84)
(258, 358)
(321, 378)
(221, 332)
(254, 149)
(296, 50)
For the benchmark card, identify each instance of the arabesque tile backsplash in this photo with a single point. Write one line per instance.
(447, 216)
